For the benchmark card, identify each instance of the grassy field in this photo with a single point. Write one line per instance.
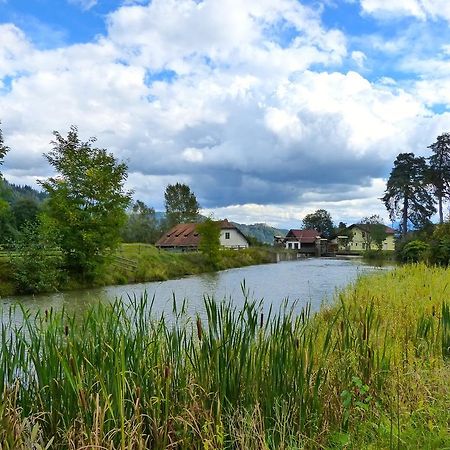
(370, 372)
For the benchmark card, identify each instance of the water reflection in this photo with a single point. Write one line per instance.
(311, 280)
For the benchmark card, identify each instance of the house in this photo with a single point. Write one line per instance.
(184, 237)
(305, 241)
(362, 238)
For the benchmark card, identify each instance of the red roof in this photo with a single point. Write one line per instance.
(186, 235)
(305, 236)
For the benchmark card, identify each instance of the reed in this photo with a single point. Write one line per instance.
(369, 371)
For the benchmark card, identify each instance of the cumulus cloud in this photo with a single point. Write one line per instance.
(243, 116)
(420, 9)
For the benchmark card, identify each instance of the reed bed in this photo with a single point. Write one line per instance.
(371, 371)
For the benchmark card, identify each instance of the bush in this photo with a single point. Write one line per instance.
(36, 262)
(414, 251)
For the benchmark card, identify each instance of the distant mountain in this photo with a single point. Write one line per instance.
(260, 231)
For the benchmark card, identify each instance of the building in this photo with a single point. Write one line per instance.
(305, 241)
(184, 237)
(362, 238)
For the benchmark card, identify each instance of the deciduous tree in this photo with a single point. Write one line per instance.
(375, 231)
(320, 221)
(3, 148)
(209, 245)
(407, 194)
(142, 225)
(440, 170)
(86, 201)
(181, 204)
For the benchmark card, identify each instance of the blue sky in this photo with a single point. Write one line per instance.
(268, 109)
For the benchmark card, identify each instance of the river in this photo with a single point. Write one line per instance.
(313, 280)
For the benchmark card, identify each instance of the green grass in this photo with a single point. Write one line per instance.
(370, 372)
(147, 263)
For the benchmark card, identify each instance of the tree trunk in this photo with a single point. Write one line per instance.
(405, 217)
(441, 213)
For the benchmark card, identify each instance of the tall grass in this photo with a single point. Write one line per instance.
(117, 377)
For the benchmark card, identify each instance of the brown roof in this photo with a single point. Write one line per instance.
(305, 236)
(367, 226)
(186, 235)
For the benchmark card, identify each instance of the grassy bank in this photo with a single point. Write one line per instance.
(369, 372)
(134, 263)
(140, 262)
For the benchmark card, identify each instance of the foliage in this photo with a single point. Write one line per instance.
(367, 372)
(440, 170)
(142, 225)
(181, 205)
(86, 203)
(439, 252)
(320, 221)
(407, 192)
(414, 251)
(209, 245)
(36, 261)
(3, 149)
(375, 231)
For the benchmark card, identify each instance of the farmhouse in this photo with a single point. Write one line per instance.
(184, 237)
(305, 241)
(363, 240)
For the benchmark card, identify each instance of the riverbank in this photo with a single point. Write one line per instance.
(370, 371)
(137, 263)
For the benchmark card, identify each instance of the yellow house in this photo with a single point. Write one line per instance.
(362, 238)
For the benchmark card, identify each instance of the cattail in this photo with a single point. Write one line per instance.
(66, 330)
(166, 372)
(261, 321)
(199, 328)
(46, 315)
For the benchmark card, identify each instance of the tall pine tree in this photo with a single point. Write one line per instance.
(407, 194)
(440, 170)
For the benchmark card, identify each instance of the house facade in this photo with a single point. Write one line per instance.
(184, 237)
(305, 241)
(362, 240)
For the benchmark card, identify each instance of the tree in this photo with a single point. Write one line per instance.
(86, 202)
(181, 204)
(440, 170)
(38, 260)
(407, 192)
(142, 225)
(320, 221)
(209, 245)
(3, 148)
(375, 231)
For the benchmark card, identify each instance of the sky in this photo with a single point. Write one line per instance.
(267, 109)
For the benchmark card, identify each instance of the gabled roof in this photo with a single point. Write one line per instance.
(367, 226)
(305, 236)
(181, 235)
(186, 235)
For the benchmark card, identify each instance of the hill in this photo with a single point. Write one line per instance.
(260, 231)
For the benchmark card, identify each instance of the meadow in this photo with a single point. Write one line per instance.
(371, 371)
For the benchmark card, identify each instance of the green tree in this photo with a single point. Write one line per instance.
(142, 225)
(181, 204)
(375, 231)
(209, 245)
(407, 192)
(86, 202)
(440, 170)
(37, 261)
(3, 148)
(25, 209)
(320, 221)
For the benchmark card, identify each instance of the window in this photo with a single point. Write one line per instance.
(227, 235)
(296, 245)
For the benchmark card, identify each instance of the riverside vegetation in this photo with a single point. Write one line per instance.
(370, 371)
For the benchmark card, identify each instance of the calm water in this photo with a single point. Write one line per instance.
(310, 280)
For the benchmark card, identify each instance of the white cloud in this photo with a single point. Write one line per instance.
(84, 4)
(242, 117)
(420, 9)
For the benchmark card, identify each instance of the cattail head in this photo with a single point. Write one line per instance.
(261, 320)
(66, 330)
(199, 328)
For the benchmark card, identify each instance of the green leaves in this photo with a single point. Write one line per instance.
(181, 204)
(87, 202)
